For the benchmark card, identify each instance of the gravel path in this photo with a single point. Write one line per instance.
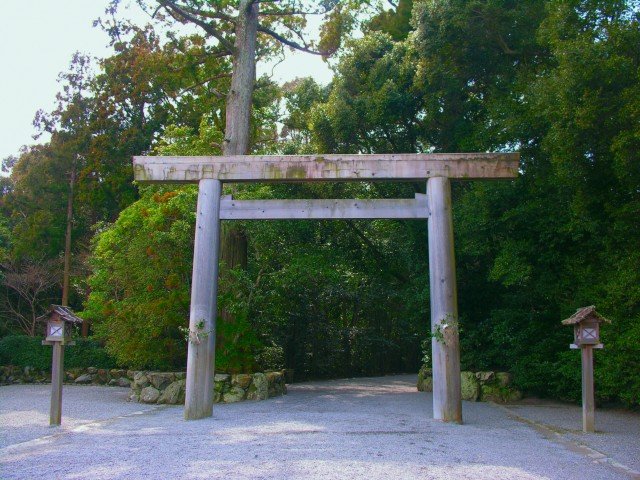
(617, 431)
(24, 409)
(374, 428)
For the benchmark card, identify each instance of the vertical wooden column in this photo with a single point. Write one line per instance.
(204, 291)
(447, 396)
(588, 402)
(57, 377)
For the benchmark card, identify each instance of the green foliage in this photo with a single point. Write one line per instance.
(24, 351)
(372, 105)
(335, 295)
(237, 342)
(556, 80)
(139, 301)
(271, 358)
(559, 82)
(557, 87)
(396, 23)
(140, 286)
(141, 275)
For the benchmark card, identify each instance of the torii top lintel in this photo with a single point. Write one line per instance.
(290, 168)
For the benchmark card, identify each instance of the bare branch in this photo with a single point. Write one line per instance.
(289, 43)
(217, 93)
(214, 15)
(30, 283)
(174, 9)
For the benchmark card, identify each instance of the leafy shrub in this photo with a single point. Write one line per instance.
(271, 358)
(24, 351)
(141, 278)
(140, 288)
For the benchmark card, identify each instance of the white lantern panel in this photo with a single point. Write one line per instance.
(56, 329)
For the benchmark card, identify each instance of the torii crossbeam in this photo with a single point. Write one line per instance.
(435, 169)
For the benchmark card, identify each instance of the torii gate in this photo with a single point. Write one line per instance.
(435, 169)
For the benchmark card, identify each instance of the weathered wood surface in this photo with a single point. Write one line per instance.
(57, 377)
(288, 168)
(588, 397)
(445, 345)
(204, 294)
(405, 208)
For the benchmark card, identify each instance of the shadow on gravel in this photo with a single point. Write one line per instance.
(367, 428)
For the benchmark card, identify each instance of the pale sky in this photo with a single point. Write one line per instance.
(37, 40)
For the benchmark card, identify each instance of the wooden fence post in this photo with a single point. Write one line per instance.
(447, 396)
(203, 312)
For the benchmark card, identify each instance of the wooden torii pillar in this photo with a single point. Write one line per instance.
(435, 169)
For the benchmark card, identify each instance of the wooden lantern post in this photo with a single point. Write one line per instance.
(59, 322)
(586, 330)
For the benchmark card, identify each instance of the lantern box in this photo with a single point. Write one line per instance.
(586, 327)
(59, 324)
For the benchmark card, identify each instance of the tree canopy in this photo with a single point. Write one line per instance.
(558, 81)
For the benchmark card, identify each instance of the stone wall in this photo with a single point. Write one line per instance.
(169, 388)
(157, 387)
(477, 386)
(80, 376)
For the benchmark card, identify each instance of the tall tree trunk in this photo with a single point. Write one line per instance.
(67, 238)
(67, 245)
(233, 251)
(242, 80)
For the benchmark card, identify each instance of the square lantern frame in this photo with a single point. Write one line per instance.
(586, 327)
(587, 333)
(59, 321)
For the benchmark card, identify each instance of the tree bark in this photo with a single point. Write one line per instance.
(238, 117)
(233, 252)
(238, 106)
(233, 245)
(67, 239)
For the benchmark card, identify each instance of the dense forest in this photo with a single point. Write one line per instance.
(557, 80)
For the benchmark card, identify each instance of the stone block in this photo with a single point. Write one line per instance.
(160, 380)
(485, 377)
(149, 395)
(101, 377)
(235, 394)
(498, 394)
(470, 386)
(140, 381)
(123, 382)
(241, 380)
(259, 389)
(425, 384)
(84, 379)
(174, 393)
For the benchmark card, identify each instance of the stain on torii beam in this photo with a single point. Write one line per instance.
(291, 168)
